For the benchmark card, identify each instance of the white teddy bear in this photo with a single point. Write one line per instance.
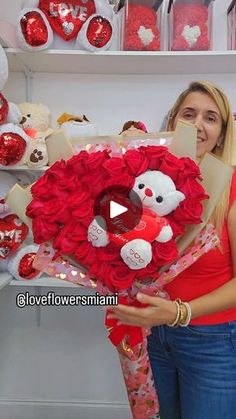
(87, 24)
(158, 195)
(36, 121)
(16, 256)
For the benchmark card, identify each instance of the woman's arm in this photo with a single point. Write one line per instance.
(162, 311)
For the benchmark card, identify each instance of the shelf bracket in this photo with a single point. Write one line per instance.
(29, 75)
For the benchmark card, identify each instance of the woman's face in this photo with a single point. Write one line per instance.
(200, 109)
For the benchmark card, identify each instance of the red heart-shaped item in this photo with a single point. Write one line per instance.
(34, 29)
(12, 234)
(66, 18)
(26, 269)
(147, 229)
(12, 148)
(99, 31)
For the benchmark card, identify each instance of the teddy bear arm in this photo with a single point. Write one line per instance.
(165, 234)
(97, 234)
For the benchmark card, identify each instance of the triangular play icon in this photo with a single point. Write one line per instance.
(116, 209)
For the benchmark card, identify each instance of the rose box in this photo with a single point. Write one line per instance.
(141, 25)
(190, 25)
(231, 26)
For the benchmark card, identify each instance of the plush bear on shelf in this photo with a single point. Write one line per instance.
(155, 194)
(85, 24)
(36, 121)
(14, 141)
(16, 256)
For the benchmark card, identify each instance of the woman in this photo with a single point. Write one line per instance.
(194, 366)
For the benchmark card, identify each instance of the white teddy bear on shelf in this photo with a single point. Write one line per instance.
(159, 197)
(14, 142)
(84, 24)
(16, 256)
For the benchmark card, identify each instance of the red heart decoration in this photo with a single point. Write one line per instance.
(148, 228)
(34, 29)
(67, 18)
(12, 234)
(99, 31)
(12, 148)
(26, 269)
(3, 109)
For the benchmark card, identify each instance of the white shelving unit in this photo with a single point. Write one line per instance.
(122, 62)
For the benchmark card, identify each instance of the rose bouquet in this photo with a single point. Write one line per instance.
(80, 245)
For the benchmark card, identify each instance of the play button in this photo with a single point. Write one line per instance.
(115, 211)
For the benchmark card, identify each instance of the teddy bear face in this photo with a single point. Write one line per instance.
(157, 192)
(35, 115)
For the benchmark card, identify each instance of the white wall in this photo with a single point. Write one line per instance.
(66, 367)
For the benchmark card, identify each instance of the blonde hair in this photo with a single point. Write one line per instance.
(226, 152)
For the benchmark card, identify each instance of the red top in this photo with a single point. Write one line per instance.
(208, 273)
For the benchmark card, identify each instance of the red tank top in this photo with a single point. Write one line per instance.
(208, 273)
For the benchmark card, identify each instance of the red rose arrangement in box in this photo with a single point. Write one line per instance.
(141, 32)
(63, 204)
(190, 27)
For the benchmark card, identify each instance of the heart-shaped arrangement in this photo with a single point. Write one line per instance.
(64, 199)
(13, 232)
(67, 18)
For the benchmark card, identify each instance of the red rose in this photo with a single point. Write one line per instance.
(189, 211)
(95, 184)
(176, 226)
(192, 189)
(85, 253)
(42, 187)
(164, 253)
(170, 166)
(109, 253)
(69, 236)
(43, 230)
(102, 271)
(124, 180)
(75, 199)
(190, 169)
(97, 159)
(136, 162)
(69, 182)
(85, 209)
(122, 277)
(154, 154)
(77, 164)
(114, 166)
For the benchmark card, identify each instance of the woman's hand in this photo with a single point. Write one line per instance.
(159, 311)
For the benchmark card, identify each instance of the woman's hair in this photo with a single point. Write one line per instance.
(226, 151)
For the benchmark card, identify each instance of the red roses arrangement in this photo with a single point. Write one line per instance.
(190, 27)
(141, 31)
(63, 203)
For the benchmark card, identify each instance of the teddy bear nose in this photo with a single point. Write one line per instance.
(148, 192)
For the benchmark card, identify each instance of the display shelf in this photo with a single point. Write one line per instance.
(122, 62)
(5, 279)
(25, 167)
(43, 282)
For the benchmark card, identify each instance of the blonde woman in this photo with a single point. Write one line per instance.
(193, 346)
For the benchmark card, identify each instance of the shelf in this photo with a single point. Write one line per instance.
(122, 62)
(25, 167)
(42, 282)
(5, 279)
